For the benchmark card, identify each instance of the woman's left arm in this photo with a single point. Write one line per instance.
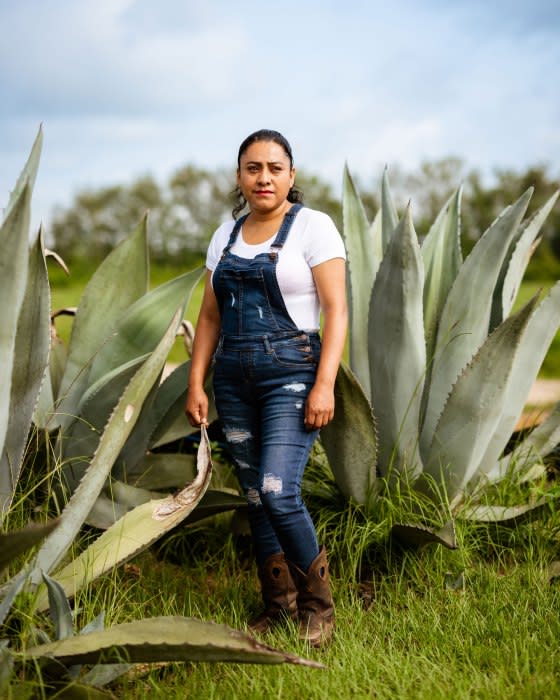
(331, 287)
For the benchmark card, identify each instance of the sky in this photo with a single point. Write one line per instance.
(126, 88)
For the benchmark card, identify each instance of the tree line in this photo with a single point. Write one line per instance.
(186, 210)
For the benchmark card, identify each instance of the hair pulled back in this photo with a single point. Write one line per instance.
(294, 195)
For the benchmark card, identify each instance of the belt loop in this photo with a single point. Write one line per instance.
(267, 345)
(220, 343)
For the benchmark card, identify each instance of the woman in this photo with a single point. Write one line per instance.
(269, 275)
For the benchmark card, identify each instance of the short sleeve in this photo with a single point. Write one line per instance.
(217, 244)
(323, 241)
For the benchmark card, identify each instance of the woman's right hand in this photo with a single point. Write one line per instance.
(196, 406)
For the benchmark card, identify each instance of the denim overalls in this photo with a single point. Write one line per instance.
(264, 369)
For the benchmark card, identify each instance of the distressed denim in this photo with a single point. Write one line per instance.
(264, 368)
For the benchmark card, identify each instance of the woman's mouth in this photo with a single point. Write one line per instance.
(262, 193)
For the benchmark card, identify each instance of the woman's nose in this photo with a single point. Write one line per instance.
(264, 176)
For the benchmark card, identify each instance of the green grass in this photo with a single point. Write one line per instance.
(400, 632)
(405, 629)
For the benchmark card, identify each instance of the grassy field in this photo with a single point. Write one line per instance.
(481, 622)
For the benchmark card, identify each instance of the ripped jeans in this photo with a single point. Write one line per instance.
(260, 388)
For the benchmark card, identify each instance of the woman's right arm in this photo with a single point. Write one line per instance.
(205, 342)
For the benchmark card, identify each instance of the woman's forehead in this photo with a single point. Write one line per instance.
(265, 151)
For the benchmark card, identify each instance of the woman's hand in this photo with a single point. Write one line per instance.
(196, 406)
(330, 282)
(205, 341)
(319, 407)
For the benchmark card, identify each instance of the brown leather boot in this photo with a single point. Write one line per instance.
(278, 593)
(315, 602)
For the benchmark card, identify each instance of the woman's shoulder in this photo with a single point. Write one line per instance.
(315, 217)
(217, 243)
(315, 223)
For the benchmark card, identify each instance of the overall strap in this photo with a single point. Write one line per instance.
(234, 233)
(284, 230)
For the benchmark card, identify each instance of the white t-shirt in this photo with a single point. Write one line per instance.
(313, 239)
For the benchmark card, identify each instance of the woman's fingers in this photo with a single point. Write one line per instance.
(315, 419)
(196, 408)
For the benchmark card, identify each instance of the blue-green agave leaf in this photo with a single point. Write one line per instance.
(27, 176)
(11, 590)
(132, 496)
(164, 639)
(13, 280)
(539, 443)
(389, 216)
(45, 409)
(536, 340)
(350, 440)
(114, 436)
(77, 443)
(103, 674)
(474, 407)
(158, 470)
(508, 515)
(417, 534)
(31, 352)
(59, 608)
(14, 543)
(441, 253)
(214, 502)
(96, 625)
(141, 327)
(364, 252)
(465, 318)
(516, 261)
(397, 350)
(173, 425)
(155, 417)
(121, 499)
(138, 529)
(120, 280)
(105, 512)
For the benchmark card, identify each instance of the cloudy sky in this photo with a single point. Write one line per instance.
(129, 87)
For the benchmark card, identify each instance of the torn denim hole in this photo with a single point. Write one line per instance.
(294, 386)
(243, 465)
(272, 484)
(237, 435)
(298, 404)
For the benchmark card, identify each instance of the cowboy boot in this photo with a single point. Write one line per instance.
(315, 602)
(278, 593)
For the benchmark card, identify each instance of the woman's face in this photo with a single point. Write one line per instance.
(265, 176)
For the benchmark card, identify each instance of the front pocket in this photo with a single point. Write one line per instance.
(300, 355)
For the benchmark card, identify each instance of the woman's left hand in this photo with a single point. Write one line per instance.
(319, 407)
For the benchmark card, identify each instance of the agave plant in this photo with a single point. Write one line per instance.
(439, 368)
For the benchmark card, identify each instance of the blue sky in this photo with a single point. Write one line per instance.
(129, 87)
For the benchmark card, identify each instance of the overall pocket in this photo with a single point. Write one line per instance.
(298, 353)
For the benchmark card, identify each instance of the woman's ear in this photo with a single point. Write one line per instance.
(292, 177)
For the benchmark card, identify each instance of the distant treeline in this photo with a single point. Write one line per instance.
(189, 207)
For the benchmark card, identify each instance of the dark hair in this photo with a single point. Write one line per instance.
(294, 195)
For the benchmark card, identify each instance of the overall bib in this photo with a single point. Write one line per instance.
(264, 369)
